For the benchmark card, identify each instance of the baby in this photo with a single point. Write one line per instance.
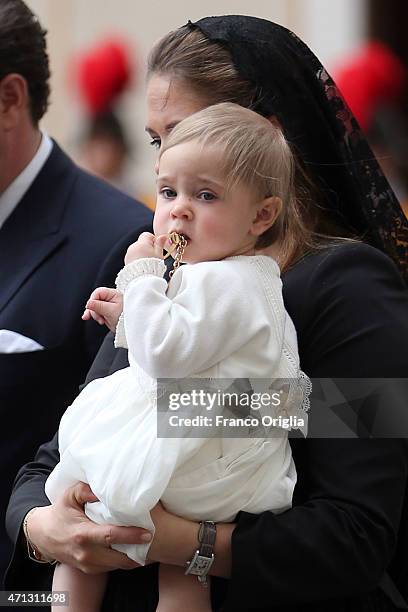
(225, 191)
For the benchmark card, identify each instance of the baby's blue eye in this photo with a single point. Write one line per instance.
(207, 196)
(168, 193)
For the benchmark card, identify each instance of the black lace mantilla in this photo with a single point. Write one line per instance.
(293, 85)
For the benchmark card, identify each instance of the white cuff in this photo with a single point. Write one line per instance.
(120, 336)
(150, 266)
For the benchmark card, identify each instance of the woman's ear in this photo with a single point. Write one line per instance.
(267, 211)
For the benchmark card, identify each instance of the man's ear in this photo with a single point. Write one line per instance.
(268, 210)
(13, 99)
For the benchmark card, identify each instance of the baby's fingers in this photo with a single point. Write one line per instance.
(91, 314)
(105, 294)
(102, 310)
(159, 245)
(87, 315)
(146, 237)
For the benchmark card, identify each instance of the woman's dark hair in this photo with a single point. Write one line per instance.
(207, 67)
(23, 50)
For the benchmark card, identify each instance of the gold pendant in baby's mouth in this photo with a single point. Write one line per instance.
(177, 241)
(178, 246)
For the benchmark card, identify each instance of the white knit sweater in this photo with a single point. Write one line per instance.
(222, 319)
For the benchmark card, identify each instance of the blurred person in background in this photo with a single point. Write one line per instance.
(62, 233)
(349, 523)
(374, 84)
(101, 75)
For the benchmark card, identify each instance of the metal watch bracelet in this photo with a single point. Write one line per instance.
(33, 552)
(203, 557)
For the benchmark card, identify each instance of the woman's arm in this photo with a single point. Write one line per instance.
(176, 540)
(338, 541)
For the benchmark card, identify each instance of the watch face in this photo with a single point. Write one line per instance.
(200, 565)
(203, 564)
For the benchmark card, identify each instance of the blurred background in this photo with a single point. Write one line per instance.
(98, 52)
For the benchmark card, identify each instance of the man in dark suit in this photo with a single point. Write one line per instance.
(62, 233)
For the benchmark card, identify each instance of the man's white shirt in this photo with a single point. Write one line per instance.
(14, 193)
(11, 341)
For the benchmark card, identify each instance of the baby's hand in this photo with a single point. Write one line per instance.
(147, 245)
(105, 306)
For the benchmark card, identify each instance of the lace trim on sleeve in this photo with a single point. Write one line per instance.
(148, 266)
(307, 390)
(291, 412)
(297, 404)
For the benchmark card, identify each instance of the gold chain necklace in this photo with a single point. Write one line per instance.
(179, 244)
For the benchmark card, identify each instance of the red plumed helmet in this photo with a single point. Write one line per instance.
(372, 77)
(102, 73)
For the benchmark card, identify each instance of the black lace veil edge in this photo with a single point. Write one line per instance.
(297, 89)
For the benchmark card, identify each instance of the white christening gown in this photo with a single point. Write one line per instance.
(214, 320)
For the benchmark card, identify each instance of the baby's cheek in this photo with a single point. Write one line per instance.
(159, 221)
(215, 228)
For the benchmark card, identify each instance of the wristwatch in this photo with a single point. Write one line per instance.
(203, 557)
(33, 553)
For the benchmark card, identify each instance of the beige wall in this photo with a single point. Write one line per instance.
(329, 26)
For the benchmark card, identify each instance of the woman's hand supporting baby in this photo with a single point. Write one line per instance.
(63, 531)
(105, 305)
